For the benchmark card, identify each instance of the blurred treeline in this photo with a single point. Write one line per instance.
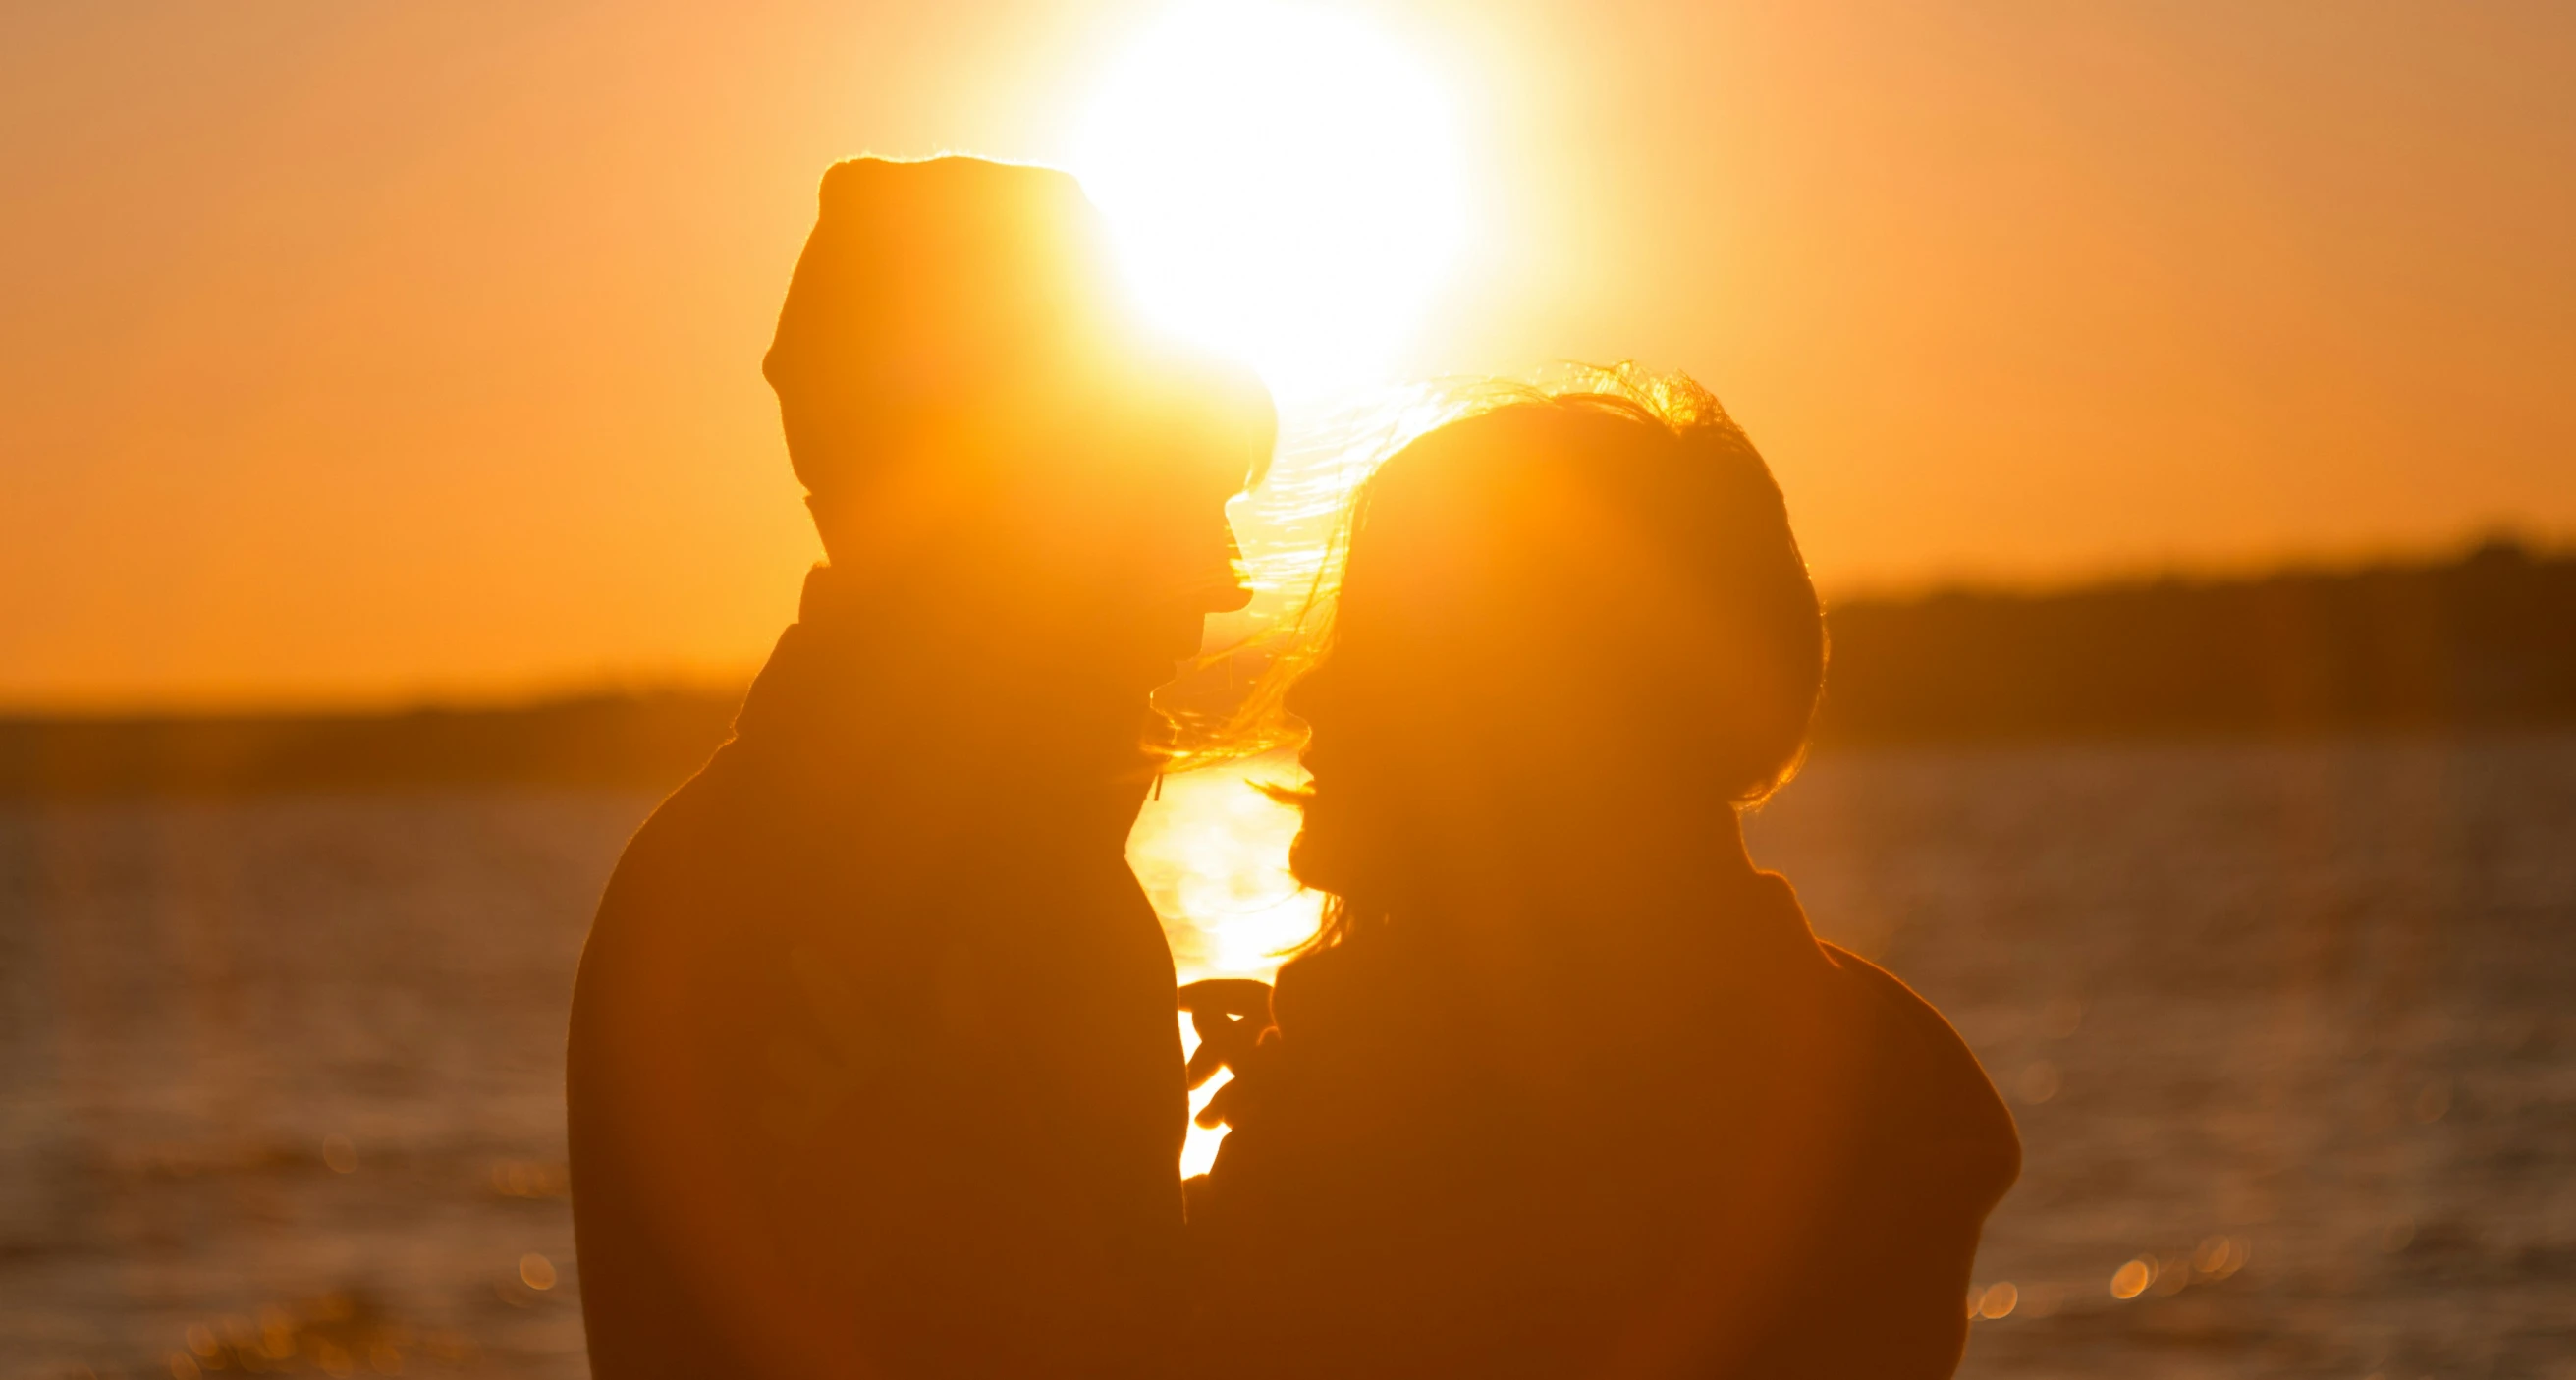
(647, 741)
(2484, 641)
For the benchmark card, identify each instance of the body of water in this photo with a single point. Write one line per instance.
(2290, 1029)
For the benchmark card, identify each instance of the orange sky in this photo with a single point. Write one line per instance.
(373, 350)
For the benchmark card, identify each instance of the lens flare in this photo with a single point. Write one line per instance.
(1286, 184)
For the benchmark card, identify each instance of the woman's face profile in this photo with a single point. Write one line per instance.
(1319, 858)
(1401, 704)
(1356, 704)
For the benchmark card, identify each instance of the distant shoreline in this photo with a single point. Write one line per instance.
(634, 740)
(2482, 642)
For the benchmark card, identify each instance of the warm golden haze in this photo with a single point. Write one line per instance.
(1273, 834)
(361, 352)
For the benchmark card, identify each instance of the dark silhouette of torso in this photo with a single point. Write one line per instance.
(1740, 1153)
(873, 1062)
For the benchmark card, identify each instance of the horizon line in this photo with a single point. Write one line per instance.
(699, 681)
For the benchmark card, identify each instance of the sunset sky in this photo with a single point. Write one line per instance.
(365, 351)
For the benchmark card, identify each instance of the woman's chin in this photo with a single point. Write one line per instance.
(1321, 862)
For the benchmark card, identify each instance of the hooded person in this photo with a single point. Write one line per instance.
(873, 1067)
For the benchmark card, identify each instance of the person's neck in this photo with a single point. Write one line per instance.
(1583, 936)
(1600, 873)
(922, 690)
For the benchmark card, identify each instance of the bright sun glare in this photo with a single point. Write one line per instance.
(1285, 182)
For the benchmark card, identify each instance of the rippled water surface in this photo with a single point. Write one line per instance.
(2289, 1029)
(2292, 1027)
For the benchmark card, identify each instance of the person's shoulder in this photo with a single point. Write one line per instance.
(1934, 1087)
(694, 827)
(663, 925)
(1923, 1026)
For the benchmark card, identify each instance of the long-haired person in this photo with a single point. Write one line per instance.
(873, 1068)
(1567, 1087)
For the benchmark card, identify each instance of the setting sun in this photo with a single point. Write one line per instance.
(1286, 182)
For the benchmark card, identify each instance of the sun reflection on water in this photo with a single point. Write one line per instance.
(1212, 853)
(1210, 849)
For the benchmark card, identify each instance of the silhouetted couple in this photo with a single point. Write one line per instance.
(874, 1068)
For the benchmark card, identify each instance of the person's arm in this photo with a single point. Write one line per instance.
(1939, 1151)
(676, 1279)
(1894, 1306)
